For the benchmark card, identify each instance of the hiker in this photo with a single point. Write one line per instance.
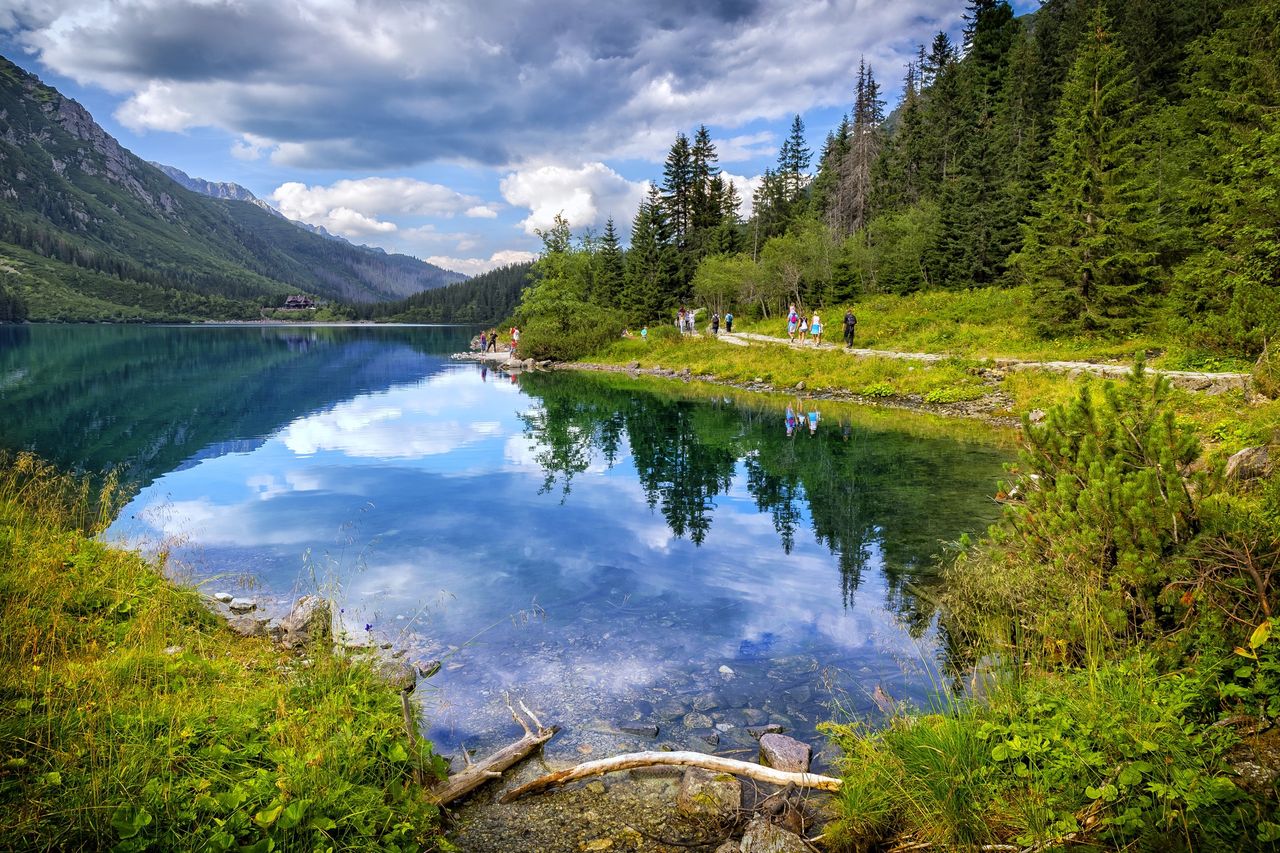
(850, 323)
(644, 333)
(680, 320)
(484, 341)
(728, 322)
(793, 323)
(493, 341)
(815, 328)
(515, 338)
(804, 328)
(715, 323)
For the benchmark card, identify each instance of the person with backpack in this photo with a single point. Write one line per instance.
(850, 324)
(793, 323)
(815, 328)
(715, 323)
(728, 322)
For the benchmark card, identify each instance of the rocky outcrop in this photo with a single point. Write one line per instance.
(706, 794)
(1251, 463)
(309, 622)
(764, 837)
(784, 753)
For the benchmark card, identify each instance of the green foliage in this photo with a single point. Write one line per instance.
(1098, 517)
(133, 718)
(1116, 756)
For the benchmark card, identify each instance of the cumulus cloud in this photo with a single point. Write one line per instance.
(382, 83)
(585, 196)
(366, 206)
(475, 266)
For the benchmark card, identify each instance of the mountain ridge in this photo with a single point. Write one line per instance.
(90, 231)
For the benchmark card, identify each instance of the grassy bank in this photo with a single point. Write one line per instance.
(1116, 659)
(132, 718)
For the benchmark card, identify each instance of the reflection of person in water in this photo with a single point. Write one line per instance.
(484, 374)
(813, 422)
(790, 419)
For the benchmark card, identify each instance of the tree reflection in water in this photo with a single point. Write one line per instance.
(867, 484)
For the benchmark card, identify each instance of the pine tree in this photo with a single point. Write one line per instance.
(705, 207)
(678, 188)
(851, 204)
(610, 279)
(1085, 252)
(793, 162)
(649, 263)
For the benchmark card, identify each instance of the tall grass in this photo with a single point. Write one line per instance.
(131, 717)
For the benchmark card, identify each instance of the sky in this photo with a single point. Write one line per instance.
(452, 130)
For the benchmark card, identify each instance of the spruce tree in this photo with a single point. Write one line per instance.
(677, 187)
(851, 205)
(1085, 253)
(610, 279)
(650, 268)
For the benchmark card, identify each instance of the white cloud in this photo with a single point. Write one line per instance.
(475, 266)
(746, 187)
(585, 196)
(736, 149)
(249, 147)
(480, 211)
(365, 206)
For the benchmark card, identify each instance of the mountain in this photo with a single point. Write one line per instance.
(235, 192)
(489, 297)
(89, 231)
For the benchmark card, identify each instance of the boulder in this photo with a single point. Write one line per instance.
(729, 846)
(242, 605)
(248, 626)
(224, 597)
(763, 837)
(784, 753)
(697, 720)
(641, 729)
(706, 794)
(1249, 464)
(399, 674)
(309, 621)
(758, 732)
(427, 668)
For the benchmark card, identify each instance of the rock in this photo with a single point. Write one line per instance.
(635, 365)
(726, 672)
(597, 787)
(784, 753)
(224, 597)
(1036, 416)
(309, 621)
(696, 720)
(427, 668)
(706, 794)
(799, 695)
(400, 675)
(758, 732)
(729, 846)
(642, 729)
(1249, 464)
(173, 650)
(755, 716)
(763, 837)
(706, 702)
(800, 385)
(248, 626)
(597, 845)
(242, 605)
(710, 737)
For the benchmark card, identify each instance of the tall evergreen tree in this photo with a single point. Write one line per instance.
(678, 188)
(1085, 252)
(793, 162)
(851, 204)
(650, 268)
(611, 277)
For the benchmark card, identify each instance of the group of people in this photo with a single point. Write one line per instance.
(685, 321)
(798, 327)
(489, 340)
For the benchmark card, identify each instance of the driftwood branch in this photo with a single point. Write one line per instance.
(475, 774)
(714, 763)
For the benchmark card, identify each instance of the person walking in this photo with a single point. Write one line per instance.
(728, 322)
(815, 329)
(793, 324)
(484, 341)
(850, 324)
(715, 323)
(804, 328)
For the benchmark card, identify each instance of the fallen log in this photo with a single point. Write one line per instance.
(476, 774)
(714, 763)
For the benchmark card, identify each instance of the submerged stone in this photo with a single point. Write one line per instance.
(784, 753)
(707, 794)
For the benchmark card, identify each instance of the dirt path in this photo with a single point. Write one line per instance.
(1212, 383)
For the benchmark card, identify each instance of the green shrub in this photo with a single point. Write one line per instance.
(954, 394)
(576, 332)
(877, 389)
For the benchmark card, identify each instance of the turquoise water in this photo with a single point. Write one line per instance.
(615, 553)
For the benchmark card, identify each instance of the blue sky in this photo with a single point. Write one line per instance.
(451, 130)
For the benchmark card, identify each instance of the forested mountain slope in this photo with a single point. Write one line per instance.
(90, 231)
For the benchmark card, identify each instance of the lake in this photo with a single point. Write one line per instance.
(618, 552)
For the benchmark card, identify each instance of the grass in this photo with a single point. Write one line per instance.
(987, 322)
(132, 718)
